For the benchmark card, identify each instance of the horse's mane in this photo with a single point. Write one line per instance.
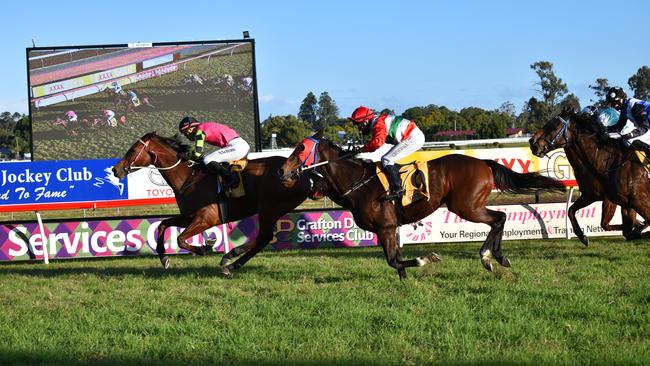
(589, 124)
(174, 142)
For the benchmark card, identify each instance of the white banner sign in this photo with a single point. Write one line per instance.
(534, 221)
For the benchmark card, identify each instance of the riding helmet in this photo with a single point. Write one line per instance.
(362, 114)
(615, 94)
(186, 123)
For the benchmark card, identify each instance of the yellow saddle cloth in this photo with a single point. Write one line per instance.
(644, 160)
(237, 167)
(415, 181)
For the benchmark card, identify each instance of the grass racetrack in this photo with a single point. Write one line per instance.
(560, 304)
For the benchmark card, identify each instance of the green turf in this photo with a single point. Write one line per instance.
(560, 304)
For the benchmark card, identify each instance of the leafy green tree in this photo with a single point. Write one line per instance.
(600, 89)
(510, 111)
(289, 130)
(570, 102)
(534, 115)
(552, 88)
(328, 112)
(309, 109)
(640, 83)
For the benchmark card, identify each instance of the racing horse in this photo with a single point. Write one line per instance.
(605, 170)
(198, 200)
(461, 182)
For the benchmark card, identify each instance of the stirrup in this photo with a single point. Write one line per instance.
(392, 196)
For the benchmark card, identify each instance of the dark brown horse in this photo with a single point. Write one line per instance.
(198, 201)
(461, 182)
(605, 170)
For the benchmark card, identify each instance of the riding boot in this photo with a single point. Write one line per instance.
(640, 145)
(230, 179)
(394, 183)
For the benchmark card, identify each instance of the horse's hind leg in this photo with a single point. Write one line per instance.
(263, 238)
(492, 244)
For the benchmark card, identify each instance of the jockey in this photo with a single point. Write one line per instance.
(133, 98)
(231, 146)
(389, 129)
(71, 116)
(117, 89)
(109, 115)
(631, 110)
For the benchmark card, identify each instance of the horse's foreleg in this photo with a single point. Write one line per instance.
(196, 226)
(179, 221)
(581, 202)
(387, 238)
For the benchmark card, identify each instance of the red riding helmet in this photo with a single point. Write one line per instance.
(362, 115)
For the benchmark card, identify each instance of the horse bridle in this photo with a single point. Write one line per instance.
(145, 147)
(564, 131)
(303, 166)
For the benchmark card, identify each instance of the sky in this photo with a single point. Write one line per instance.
(382, 54)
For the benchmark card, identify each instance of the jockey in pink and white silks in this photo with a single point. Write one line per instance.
(71, 116)
(396, 135)
(231, 146)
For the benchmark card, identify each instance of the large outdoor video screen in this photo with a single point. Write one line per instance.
(94, 102)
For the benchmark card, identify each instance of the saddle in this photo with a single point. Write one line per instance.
(236, 167)
(415, 181)
(645, 161)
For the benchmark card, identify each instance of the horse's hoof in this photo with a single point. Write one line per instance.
(504, 261)
(487, 263)
(224, 261)
(585, 241)
(225, 271)
(165, 262)
(434, 257)
(402, 274)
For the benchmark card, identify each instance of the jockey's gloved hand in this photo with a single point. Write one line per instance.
(355, 150)
(614, 135)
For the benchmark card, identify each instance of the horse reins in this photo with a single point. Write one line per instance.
(133, 168)
(304, 167)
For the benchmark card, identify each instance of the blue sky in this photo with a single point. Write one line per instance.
(384, 54)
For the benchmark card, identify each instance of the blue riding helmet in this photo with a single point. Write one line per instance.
(609, 116)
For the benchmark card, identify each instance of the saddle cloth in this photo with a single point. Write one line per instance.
(415, 181)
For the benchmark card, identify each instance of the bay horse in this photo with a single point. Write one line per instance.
(198, 200)
(461, 182)
(604, 168)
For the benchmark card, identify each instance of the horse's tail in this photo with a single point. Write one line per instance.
(509, 181)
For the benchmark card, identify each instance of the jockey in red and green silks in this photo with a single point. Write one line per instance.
(399, 136)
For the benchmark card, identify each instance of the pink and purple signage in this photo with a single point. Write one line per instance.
(128, 237)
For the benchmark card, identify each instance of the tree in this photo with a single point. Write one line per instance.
(640, 83)
(510, 111)
(328, 112)
(309, 109)
(289, 130)
(534, 115)
(570, 102)
(600, 89)
(552, 88)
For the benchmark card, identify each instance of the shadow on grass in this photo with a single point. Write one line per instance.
(25, 358)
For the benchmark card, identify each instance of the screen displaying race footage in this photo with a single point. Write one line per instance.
(95, 102)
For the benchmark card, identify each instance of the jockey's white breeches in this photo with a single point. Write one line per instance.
(236, 149)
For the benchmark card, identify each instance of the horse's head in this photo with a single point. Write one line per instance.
(553, 135)
(162, 152)
(138, 155)
(308, 154)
